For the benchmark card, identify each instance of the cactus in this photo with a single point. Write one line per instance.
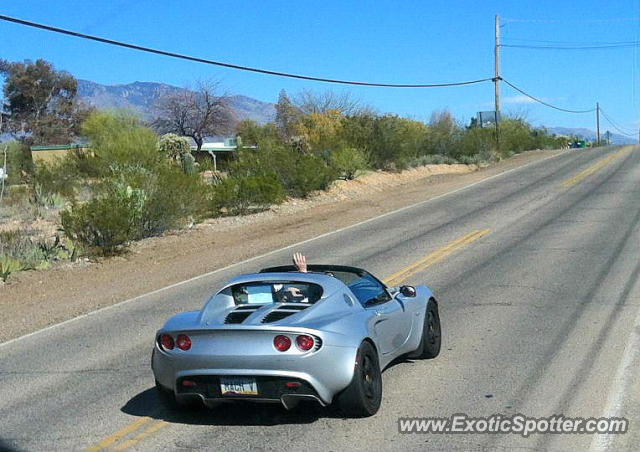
(188, 163)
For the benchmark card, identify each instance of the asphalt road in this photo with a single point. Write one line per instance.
(540, 317)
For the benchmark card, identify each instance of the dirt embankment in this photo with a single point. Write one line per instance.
(35, 299)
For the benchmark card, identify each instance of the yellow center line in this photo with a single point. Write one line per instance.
(601, 164)
(109, 440)
(148, 432)
(394, 279)
(435, 257)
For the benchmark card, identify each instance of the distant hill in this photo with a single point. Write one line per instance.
(588, 134)
(143, 97)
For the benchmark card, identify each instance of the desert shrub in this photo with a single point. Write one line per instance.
(240, 195)
(348, 161)
(299, 173)
(59, 177)
(172, 145)
(19, 251)
(133, 204)
(306, 173)
(118, 139)
(444, 135)
(19, 162)
(174, 198)
(105, 224)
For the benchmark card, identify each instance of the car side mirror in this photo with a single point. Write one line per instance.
(408, 291)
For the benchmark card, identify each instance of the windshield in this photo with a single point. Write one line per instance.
(264, 292)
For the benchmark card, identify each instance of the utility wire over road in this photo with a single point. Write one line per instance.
(230, 65)
(618, 127)
(546, 103)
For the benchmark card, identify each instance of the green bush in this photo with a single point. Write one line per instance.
(56, 178)
(348, 161)
(306, 173)
(118, 139)
(105, 224)
(19, 162)
(134, 204)
(240, 195)
(299, 173)
(174, 199)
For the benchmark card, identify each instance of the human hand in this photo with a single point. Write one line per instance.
(300, 261)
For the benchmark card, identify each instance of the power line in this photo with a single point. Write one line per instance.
(617, 126)
(554, 21)
(546, 103)
(574, 42)
(595, 47)
(228, 65)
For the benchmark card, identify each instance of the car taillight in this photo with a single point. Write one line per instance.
(282, 343)
(167, 342)
(183, 342)
(305, 342)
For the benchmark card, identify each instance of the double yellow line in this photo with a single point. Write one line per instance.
(435, 257)
(129, 429)
(589, 171)
(113, 442)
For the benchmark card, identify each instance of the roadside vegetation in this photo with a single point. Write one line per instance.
(140, 179)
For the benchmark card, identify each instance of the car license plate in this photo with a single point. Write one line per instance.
(238, 386)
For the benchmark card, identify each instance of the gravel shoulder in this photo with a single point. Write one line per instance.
(36, 299)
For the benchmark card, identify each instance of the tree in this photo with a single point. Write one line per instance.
(309, 102)
(119, 140)
(196, 114)
(287, 116)
(40, 103)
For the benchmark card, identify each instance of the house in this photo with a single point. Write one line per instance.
(219, 151)
(51, 152)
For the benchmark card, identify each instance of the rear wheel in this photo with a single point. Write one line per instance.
(431, 333)
(363, 396)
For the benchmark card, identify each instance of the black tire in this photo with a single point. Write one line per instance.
(363, 396)
(431, 333)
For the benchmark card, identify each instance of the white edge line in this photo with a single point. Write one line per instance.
(620, 386)
(326, 234)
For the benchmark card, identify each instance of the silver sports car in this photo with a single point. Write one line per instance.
(283, 336)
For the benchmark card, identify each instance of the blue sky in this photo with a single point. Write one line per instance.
(379, 41)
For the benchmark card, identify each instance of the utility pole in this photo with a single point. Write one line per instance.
(598, 122)
(496, 79)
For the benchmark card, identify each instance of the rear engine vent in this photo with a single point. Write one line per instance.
(295, 307)
(240, 314)
(284, 312)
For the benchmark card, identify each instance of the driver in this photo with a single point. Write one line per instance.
(292, 294)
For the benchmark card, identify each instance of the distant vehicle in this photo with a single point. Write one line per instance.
(284, 336)
(579, 144)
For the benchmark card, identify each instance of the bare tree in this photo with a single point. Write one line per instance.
(195, 113)
(320, 102)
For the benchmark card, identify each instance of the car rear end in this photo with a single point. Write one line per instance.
(258, 363)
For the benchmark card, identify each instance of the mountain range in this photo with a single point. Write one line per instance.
(142, 97)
